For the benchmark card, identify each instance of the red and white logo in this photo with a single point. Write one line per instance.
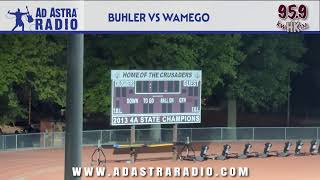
(293, 17)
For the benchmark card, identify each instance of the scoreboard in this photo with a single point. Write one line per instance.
(143, 97)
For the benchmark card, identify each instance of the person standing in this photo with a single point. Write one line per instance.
(19, 22)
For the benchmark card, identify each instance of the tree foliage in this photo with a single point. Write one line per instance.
(251, 68)
(262, 79)
(217, 56)
(27, 61)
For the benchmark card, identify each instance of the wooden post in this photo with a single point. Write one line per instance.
(133, 135)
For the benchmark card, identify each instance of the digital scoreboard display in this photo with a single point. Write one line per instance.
(155, 97)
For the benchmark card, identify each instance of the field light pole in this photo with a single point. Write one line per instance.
(74, 108)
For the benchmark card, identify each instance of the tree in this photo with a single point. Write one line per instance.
(262, 78)
(216, 55)
(28, 63)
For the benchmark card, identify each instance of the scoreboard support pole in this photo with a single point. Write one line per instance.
(175, 133)
(133, 135)
(156, 133)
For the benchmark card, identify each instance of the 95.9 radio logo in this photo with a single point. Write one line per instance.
(293, 17)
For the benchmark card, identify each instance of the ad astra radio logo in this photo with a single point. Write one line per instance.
(293, 18)
(45, 19)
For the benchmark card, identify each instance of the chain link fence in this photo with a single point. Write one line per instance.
(122, 136)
